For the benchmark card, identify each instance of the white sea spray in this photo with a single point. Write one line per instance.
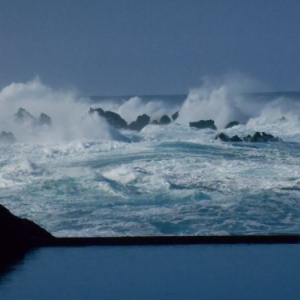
(83, 177)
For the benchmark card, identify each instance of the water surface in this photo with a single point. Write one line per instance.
(157, 272)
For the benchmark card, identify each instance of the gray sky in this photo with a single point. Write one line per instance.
(118, 47)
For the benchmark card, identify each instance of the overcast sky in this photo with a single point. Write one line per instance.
(121, 47)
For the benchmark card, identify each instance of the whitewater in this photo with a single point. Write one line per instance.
(82, 177)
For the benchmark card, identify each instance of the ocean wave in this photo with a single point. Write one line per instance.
(82, 177)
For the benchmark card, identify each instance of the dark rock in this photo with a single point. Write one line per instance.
(247, 138)
(99, 111)
(115, 120)
(202, 124)
(264, 137)
(24, 117)
(231, 124)
(269, 137)
(140, 123)
(283, 119)
(155, 122)
(235, 138)
(7, 138)
(44, 120)
(112, 118)
(165, 120)
(175, 115)
(223, 137)
(15, 230)
(256, 138)
(17, 237)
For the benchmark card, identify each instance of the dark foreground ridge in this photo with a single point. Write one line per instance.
(176, 240)
(22, 234)
(19, 236)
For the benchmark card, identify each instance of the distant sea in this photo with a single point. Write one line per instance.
(82, 177)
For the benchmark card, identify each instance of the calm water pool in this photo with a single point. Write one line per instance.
(157, 272)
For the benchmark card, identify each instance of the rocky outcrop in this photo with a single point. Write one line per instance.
(140, 123)
(235, 138)
(165, 120)
(19, 231)
(203, 124)
(111, 117)
(44, 120)
(24, 118)
(7, 138)
(99, 111)
(261, 137)
(231, 124)
(155, 122)
(115, 120)
(17, 236)
(223, 137)
(175, 115)
(256, 138)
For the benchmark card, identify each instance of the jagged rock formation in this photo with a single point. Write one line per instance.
(111, 117)
(231, 124)
(115, 120)
(203, 124)
(44, 120)
(256, 138)
(261, 137)
(235, 138)
(175, 115)
(20, 231)
(7, 138)
(18, 235)
(165, 120)
(140, 123)
(99, 111)
(155, 122)
(24, 118)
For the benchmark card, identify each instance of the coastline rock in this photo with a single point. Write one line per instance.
(99, 111)
(203, 124)
(111, 117)
(165, 120)
(15, 230)
(264, 137)
(256, 138)
(223, 137)
(17, 237)
(175, 115)
(25, 118)
(155, 122)
(115, 120)
(44, 120)
(235, 138)
(140, 123)
(231, 124)
(7, 138)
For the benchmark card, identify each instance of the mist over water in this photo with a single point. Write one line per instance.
(68, 112)
(82, 177)
(220, 101)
